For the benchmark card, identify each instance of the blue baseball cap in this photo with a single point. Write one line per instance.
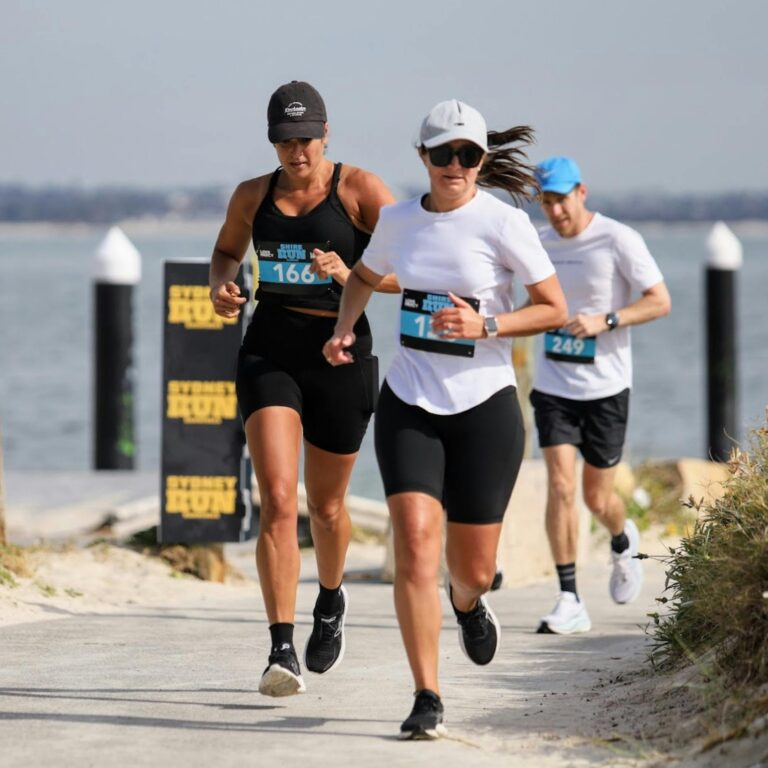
(558, 174)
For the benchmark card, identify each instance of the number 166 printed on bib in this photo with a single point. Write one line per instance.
(287, 268)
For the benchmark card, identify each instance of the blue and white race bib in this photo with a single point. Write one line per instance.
(416, 324)
(285, 268)
(565, 347)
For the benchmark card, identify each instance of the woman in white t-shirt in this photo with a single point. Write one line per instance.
(449, 433)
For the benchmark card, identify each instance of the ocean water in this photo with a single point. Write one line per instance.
(46, 338)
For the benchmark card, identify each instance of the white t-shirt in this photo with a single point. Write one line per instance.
(474, 251)
(599, 270)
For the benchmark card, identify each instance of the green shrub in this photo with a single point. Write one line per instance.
(717, 579)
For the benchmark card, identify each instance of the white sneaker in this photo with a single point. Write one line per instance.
(567, 617)
(627, 575)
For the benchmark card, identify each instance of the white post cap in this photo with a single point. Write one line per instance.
(117, 261)
(725, 251)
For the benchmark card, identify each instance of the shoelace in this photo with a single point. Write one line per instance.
(476, 622)
(330, 628)
(622, 564)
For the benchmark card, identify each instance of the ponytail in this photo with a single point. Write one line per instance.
(505, 166)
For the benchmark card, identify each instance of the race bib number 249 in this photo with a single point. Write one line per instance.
(564, 347)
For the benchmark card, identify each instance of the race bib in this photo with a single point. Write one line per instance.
(561, 345)
(285, 268)
(415, 324)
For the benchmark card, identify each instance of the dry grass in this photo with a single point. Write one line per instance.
(13, 562)
(662, 482)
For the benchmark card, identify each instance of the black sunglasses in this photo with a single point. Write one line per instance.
(469, 155)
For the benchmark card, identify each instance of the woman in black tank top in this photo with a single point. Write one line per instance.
(309, 222)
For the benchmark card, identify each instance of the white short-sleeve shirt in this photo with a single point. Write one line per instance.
(599, 269)
(475, 251)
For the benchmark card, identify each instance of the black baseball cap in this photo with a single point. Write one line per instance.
(296, 111)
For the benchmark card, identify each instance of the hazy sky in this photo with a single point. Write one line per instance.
(658, 94)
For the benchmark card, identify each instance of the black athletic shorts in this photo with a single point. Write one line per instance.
(281, 363)
(468, 461)
(596, 427)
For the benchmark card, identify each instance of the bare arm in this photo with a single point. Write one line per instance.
(361, 284)
(364, 194)
(654, 303)
(231, 246)
(545, 310)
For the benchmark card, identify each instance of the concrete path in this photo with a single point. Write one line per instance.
(177, 685)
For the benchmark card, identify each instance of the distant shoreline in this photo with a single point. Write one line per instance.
(173, 225)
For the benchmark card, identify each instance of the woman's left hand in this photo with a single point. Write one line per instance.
(329, 264)
(458, 322)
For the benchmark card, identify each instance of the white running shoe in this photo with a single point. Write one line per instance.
(568, 617)
(627, 575)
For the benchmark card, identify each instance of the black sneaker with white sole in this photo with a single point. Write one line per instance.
(479, 631)
(282, 677)
(426, 718)
(325, 647)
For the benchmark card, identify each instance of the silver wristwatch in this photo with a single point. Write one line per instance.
(491, 328)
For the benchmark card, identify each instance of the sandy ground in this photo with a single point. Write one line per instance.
(99, 579)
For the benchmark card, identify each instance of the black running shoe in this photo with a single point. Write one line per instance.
(325, 647)
(426, 718)
(479, 632)
(282, 677)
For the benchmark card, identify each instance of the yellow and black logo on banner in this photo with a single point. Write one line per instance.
(190, 306)
(201, 402)
(200, 497)
(205, 473)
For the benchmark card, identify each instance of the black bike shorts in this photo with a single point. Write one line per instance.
(596, 427)
(468, 461)
(281, 363)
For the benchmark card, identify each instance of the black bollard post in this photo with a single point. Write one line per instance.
(117, 270)
(725, 258)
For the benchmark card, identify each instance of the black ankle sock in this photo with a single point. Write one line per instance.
(429, 692)
(329, 600)
(281, 634)
(619, 543)
(567, 576)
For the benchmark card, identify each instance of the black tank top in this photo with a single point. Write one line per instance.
(327, 226)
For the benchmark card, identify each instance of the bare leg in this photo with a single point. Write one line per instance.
(326, 476)
(471, 555)
(603, 502)
(274, 442)
(417, 521)
(562, 522)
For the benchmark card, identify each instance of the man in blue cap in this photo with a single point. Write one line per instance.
(583, 377)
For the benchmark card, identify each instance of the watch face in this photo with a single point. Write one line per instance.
(490, 326)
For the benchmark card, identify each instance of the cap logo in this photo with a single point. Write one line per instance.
(295, 109)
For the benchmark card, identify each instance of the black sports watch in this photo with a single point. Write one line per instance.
(491, 328)
(612, 320)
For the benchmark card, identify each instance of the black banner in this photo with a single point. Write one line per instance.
(205, 493)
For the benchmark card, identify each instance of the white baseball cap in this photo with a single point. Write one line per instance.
(451, 120)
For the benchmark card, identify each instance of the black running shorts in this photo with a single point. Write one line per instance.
(468, 461)
(596, 427)
(281, 363)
